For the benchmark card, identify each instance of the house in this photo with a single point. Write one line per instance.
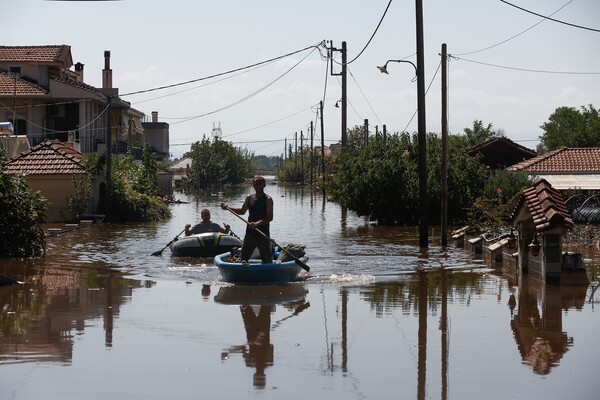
(51, 167)
(44, 98)
(565, 168)
(500, 152)
(179, 170)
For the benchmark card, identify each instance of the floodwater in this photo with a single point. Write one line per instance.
(99, 317)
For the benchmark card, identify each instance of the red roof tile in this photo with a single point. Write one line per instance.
(581, 160)
(47, 158)
(546, 206)
(41, 54)
(21, 87)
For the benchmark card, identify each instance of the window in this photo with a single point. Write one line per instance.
(14, 71)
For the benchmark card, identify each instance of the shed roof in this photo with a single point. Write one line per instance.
(50, 157)
(500, 151)
(546, 206)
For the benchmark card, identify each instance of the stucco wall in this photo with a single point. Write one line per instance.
(56, 189)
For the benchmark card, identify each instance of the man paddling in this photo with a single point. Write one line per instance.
(260, 207)
(206, 225)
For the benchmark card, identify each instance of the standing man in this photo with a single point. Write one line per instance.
(260, 206)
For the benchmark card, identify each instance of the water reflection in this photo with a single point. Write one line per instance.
(256, 304)
(537, 324)
(41, 317)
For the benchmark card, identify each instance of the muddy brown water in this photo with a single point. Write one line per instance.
(98, 317)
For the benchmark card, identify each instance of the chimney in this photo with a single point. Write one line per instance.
(79, 72)
(107, 72)
(154, 116)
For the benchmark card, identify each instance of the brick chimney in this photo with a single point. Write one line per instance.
(107, 72)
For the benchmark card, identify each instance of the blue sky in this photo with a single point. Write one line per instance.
(510, 68)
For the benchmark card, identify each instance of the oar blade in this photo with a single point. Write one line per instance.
(302, 264)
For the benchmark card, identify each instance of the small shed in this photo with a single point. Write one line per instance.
(50, 168)
(541, 219)
(500, 152)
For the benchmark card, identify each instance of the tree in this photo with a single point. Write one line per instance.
(478, 134)
(569, 127)
(22, 214)
(216, 163)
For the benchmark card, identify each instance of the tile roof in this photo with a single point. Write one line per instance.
(492, 142)
(78, 84)
(21, 87)
(564, 159)
(40, 54)
(546, 206)
(50, 157)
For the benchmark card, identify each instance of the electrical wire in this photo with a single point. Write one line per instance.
(316, 46)
(525, 69)
(373, 35)
(243, 99)
(364, 96)
(515, 36)
(551, 19)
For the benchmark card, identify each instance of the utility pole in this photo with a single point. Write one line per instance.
(301, 158)
(366, 129)
(312, 155)
(322, 141)
(444, 167)
(343, 74)
(109, 188)
(422, 130)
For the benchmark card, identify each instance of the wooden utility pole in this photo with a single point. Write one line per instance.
(109, 188)
(343, 99)
(312, 158)
(444, 167)
(322, 141)
(366, 130)
(422, 130)
(301, 157)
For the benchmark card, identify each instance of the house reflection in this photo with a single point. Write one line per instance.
(537, 321)
(41, 316)
(256, 304)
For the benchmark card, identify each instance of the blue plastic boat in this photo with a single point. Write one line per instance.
(256, 271)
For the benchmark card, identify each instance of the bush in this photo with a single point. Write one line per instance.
(22, 214)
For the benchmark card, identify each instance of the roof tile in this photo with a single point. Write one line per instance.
(564, 159)
(50, 157)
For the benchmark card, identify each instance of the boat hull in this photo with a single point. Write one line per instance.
(256, 271)
(207, 244)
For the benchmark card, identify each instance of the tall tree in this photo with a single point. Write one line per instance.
(479, 133)
(569, 127)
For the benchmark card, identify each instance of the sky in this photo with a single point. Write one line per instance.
(508, 67)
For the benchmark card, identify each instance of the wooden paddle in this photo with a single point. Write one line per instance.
(296, 259)
(159, 252)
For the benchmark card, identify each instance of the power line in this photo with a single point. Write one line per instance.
(525, 69)
(224, 73)
(551, 19)
(515, 36)
(373, 35)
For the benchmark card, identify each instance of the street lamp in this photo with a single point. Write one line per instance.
(383, 69)
(422, 142)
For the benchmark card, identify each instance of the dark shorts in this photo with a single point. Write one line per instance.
(252, 242)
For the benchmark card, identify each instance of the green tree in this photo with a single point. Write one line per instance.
(478, 134)
(382, 179)
(569, 127)
(128, 202)
(22, 215)
(215, 163)
(146, 178)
